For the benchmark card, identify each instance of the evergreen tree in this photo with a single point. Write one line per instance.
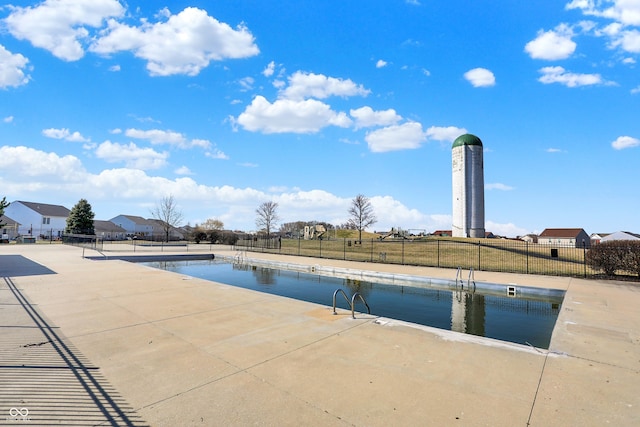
(80, 219)
(3, 204)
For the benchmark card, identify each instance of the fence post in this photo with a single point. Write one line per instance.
(479, 255)
(371, 249)
(402, 261)
(584, 257)
(438, 250)
(344, 248)
(320, 250)
(527, 246)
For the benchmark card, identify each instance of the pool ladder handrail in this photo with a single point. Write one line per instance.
(471, 279)
(239, 257)
(352, 303)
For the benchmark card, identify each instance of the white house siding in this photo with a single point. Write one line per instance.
(33, 223)
(564, 241)
(132, 227)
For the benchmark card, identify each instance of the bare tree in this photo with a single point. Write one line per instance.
(213, 229)
(212, 224)
(267, 216)
(362, 215)
(168, 214)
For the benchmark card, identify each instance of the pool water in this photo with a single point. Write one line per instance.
(519, 320)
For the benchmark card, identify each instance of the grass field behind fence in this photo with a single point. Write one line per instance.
(479, 254)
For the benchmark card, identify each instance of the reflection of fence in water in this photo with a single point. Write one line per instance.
(543, 308)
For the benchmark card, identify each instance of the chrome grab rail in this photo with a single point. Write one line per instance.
(471, 279)
(351, 303)
(334, 298)
(239, 257)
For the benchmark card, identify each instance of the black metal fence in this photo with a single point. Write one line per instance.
(480, 254)
(82, 240)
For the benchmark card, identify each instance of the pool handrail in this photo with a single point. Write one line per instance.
(334, 298)
(471, 279)
(352, 303)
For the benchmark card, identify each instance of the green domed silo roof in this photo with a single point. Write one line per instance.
(466, 139)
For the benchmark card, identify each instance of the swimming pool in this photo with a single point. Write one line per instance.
(487, 312)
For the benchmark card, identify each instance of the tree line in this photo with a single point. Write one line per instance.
(169, 216)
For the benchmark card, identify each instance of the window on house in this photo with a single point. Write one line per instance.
(46, 220)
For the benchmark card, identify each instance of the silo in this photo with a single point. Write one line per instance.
(468, 187)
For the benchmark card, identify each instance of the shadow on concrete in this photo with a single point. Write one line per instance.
(44, 379)
(17, 265)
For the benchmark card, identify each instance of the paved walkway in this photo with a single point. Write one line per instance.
(125, 344)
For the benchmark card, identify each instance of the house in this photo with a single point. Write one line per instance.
(567, 237)
(620, 235)
(152, 229)
(38, 219)
(442, 233)
(597, 237)
(137, 226)
(107, 230)
(174, 233)
(529, 238)
(8, 230)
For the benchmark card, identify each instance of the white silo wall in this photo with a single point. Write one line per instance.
(476, 185)
(458, 225)
(468, 191)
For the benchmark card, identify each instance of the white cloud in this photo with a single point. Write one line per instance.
(554, 150)
(132, 155)
(628, 41)
(12, 69)
(381, 63)
(246, 83)
(635, 90)
(406, 136)
(480, 77)
(8, 119)
(498, 186)
(60, 26)
(509, 229)
(269, 69)
(553, 44)
(184, 44)
(114, 68)
(560, 75)
(183, 170)
(49, 178)
(448, 133)
(215, 153)
(626, 12)
(623, 142)
(306, 85)
(31, 168)
(158, 136)
(285, 115)
(366, 117)
(64, 134)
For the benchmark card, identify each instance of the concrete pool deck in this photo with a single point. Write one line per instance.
(110, 342)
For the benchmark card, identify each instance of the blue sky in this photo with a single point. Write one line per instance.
(228, 104)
